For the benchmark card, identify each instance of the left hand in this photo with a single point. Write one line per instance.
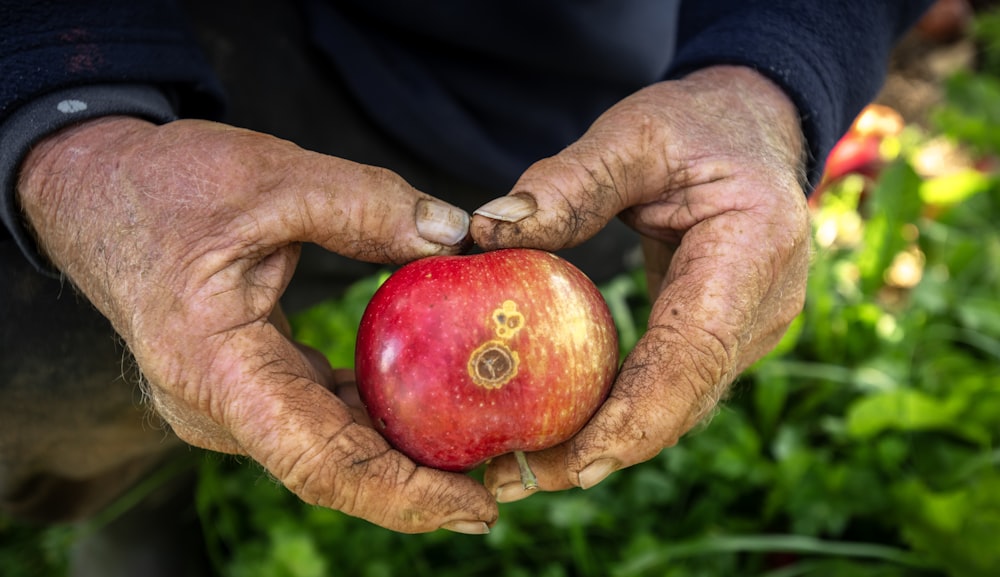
(708, 170)
(185, 235)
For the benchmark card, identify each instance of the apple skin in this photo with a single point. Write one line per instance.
(859, 151)
(531, 328)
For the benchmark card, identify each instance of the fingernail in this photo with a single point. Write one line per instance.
(596, 472)
(511, 208)
(467, 527)
(441, 223)
(513, 491)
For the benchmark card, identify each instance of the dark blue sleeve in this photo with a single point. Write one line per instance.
(48, 114)
(830, 56)
(49, 45)
(63, 62)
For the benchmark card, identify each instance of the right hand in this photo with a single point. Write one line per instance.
(185, 236)
(707, 169)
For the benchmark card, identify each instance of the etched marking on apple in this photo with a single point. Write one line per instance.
(493, 363)
(463, 358)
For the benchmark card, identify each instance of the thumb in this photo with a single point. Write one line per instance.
(364, 212)
(559, 202)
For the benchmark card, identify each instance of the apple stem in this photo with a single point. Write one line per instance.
(528, 479)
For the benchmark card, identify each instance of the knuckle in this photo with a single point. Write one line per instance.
(369, 225)
(332, 474)
(712, 359)
(357, 473)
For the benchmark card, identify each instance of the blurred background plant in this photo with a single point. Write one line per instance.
(867, 444)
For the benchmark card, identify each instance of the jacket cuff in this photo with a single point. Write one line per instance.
(50, 113)
(829, 57)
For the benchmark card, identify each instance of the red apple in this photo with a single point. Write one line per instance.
(463, 358)
(854, 154)
(859, 151)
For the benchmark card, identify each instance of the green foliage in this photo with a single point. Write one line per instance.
(29, 551)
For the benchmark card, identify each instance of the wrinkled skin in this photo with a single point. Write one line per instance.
(708, 170)
(185, 236)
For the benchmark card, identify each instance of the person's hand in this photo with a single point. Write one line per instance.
(185, 236)
(708, 170)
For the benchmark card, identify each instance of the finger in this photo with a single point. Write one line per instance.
(346, 389)
(503, 477)
(358, 211)
(626, 430)
(280, 321)
(308, 439)
(660, 388)
(657, 256)
(326, 375)
(562, 201)
(372, 214)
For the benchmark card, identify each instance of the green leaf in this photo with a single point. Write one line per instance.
(295, 553)
(894, 204)
(770, 397)
(797, 544)
(956, 528)
(902, 410)
(955, 187)
(621, 294)
(981, 313)
(332, 325)
(972, 112)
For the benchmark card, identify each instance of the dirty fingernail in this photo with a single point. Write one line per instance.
(467, 527)
(510, 208)
(441, 223)
(596, 472)
(513, 491)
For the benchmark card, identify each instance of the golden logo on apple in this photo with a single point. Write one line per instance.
(494, 363)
